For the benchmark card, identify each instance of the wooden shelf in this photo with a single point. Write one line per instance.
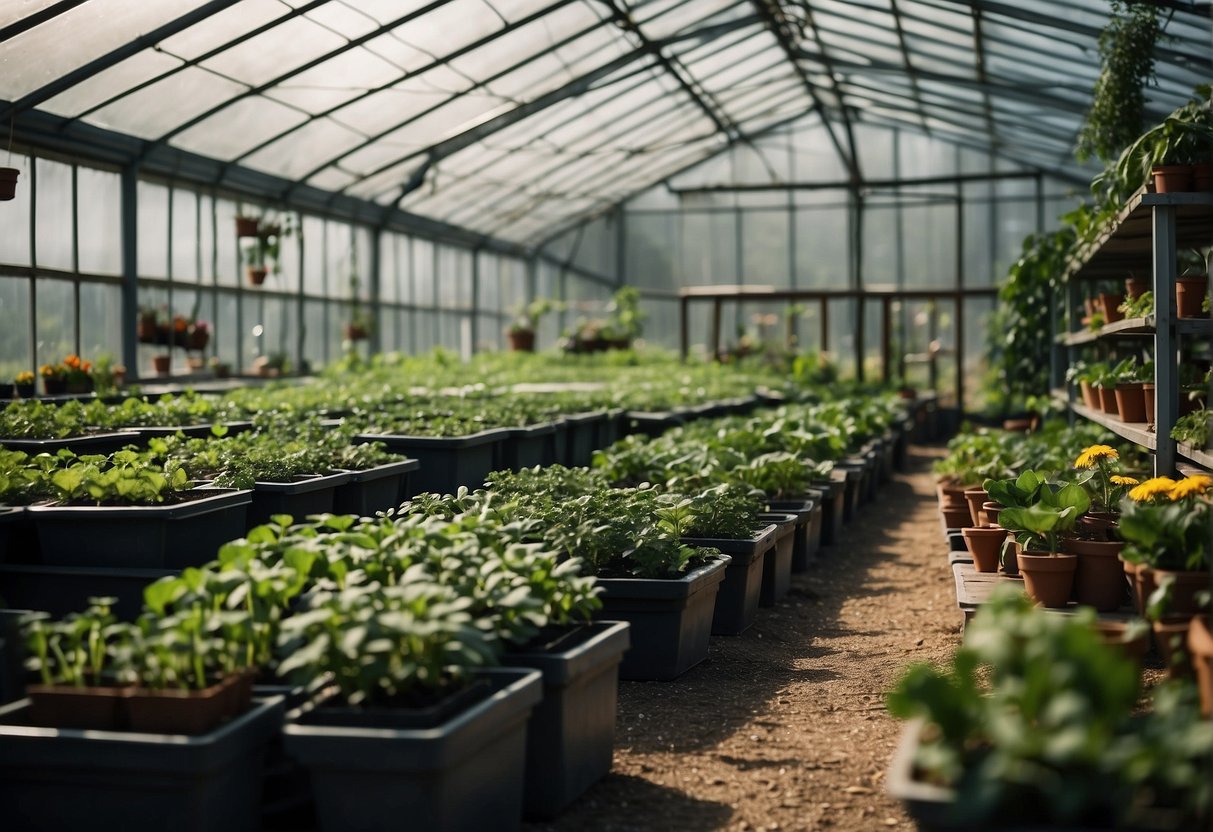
(1203, 458)
(1127, 243)
(1134, 432)
(1134, 327)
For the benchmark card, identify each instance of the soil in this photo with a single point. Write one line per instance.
(784, 727)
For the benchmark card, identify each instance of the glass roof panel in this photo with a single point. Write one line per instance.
(295, 154)
(154, 110)
(336, 81)
(287, 46)
(104, 85)
(216, 31)
(238, 128)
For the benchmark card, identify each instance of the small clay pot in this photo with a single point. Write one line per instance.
(8, 183)
(991, 510)
(1129, 404)
(1110, 303)
(1135, 287)
(976, 498)
(951, 495)
(1098, 525)
(1148, 400)
(1099, 579)
(985, 545)
(1171, 179)
(1090, 395)
(1130, 570)
(1190, 294)
(521, 340)
(956, 518)
(257, 274)
(1017, 425)
(1107, 400)
(355, 332)
(54, 386)
(246, 226)
(1115, 634)
(1184, 587)
(161, 364)
(1048, 579)
(1200, 652)
(1169, 638)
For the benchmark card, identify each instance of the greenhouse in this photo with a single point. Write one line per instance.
(606, 414)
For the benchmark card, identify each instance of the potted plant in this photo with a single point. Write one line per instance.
(162, 363)
(1099, 579)
(1038, 528)
(1130, 402)
(996, 743)
(147, 328)
(402, 727)
(77, 375)
(246, 223)
(1192, 288)
(522, 330)
(24, 384)
(1167, 153)
(54, 381)
(199, 336)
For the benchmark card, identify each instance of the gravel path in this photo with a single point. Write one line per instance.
(784, 728)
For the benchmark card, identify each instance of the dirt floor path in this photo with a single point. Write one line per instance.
(784, 728)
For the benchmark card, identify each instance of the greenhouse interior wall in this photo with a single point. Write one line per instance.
(776, 212)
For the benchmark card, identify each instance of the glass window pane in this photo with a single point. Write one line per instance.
(56, 320)
(14, 335)
(153, 230)
(100, 321)
(54, 224)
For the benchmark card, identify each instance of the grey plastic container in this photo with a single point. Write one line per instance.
(375, 489)
(671, 619)
(777, 565)
(803, 511)
(61, 590)
(571, 735)
(190, 431)
(445, 462)
(580, 438)
(527, 447)
(93, 443)
(833, 504)
(465, 775)
(142, 537)
(300, 499)
(62, 780)
(737, 602)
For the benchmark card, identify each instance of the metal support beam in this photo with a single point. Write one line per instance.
(1166, 370)
(910, 73)
(129, 207)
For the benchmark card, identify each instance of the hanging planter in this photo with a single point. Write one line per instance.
(246, 227)
(8, 183)
(356, 332)
(257, 274)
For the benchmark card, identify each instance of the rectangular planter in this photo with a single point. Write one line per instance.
(803, 511)
(464, 774)
(445, 462)
(375, 489)
(852, 475)
(737, 602)
(190, 431)
(833, 504)
(777, 565)
(12, 656)
(61, 590)
(671, 619)
(300, 499)
(653, 424)
(580, 438)
(142, 537)
(888, 455)
(61, 779)
(93, 443)
(18, 536)
(610, 429)
(527, 447)
(571, 734)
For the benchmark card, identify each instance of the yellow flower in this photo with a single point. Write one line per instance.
(1117, 479)
(1148, 490)
(1197, 484)
(1094, 454)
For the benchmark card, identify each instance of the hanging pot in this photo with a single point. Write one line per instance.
(256, 275)
(8, 183)
(355, 332)
(521, 340)
(246, 227)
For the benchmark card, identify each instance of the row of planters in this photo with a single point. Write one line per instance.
(442, 670)
(1094, 534)
(1125, 390)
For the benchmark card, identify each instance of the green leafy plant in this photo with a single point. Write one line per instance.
(1171, 535)
(1192, 429)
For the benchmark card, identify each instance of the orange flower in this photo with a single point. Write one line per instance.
(72, 361)
(86, 366)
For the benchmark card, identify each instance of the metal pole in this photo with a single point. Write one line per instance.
(130, 271)
(373, 291)
(1166, 372)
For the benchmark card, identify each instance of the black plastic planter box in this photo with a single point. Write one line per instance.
(777, 565)
(833, 505)
(737, 602)
(803, 511)
(571, 735)
(446, 462)
(190, 431)
(18, 537)
(61, 590)
(300, 499)
(464, 775)
(653, 424)
(12, 656)
(671, 619)
(852, 477)
(610, 429)
(375, 489)
(580, 438)
(55, 779)
(527, 447)
(142, 537)
(93, 443)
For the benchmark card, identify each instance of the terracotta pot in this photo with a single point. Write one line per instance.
(1010, 556)
(976, 498)
(956, 518)
(521, 340)
(1116, 634)
(1143, 587)
(8, 183)
(1170, 179)
(1109, 303)
(991, 510)
(1200, 652)
(355, 332)
(1170, 638)
(1184, 587)
(161, 364)
(1098, 525)
(1107, 400)
(985, 545)
(1202, 177)
(1130, 570)
(67, 706)
(257, 274)
(146, 331)
(1135, 287)
(1147, 400)
(1090, 395)
(1099, 579)
(246, 226)
(198, 339)
(951, 495)
(1017, 425)
(1129, 404)
(1190, 294)
(1048, 579)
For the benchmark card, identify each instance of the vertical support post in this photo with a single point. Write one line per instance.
(684, 327)
(621, 248)
(1166, 372)
(960, 354)
(825, 324)
(33, 261)
(475, 327)
(373, 292)
(857, 276)
(932, 335)
(1072, 302)
(886, 345)
(76, 257)
(717, 305)
(300, 313)
(130, 268)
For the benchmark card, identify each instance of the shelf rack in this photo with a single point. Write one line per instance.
(1145, 236)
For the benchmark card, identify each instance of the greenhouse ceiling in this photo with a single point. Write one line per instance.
(512, 117)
